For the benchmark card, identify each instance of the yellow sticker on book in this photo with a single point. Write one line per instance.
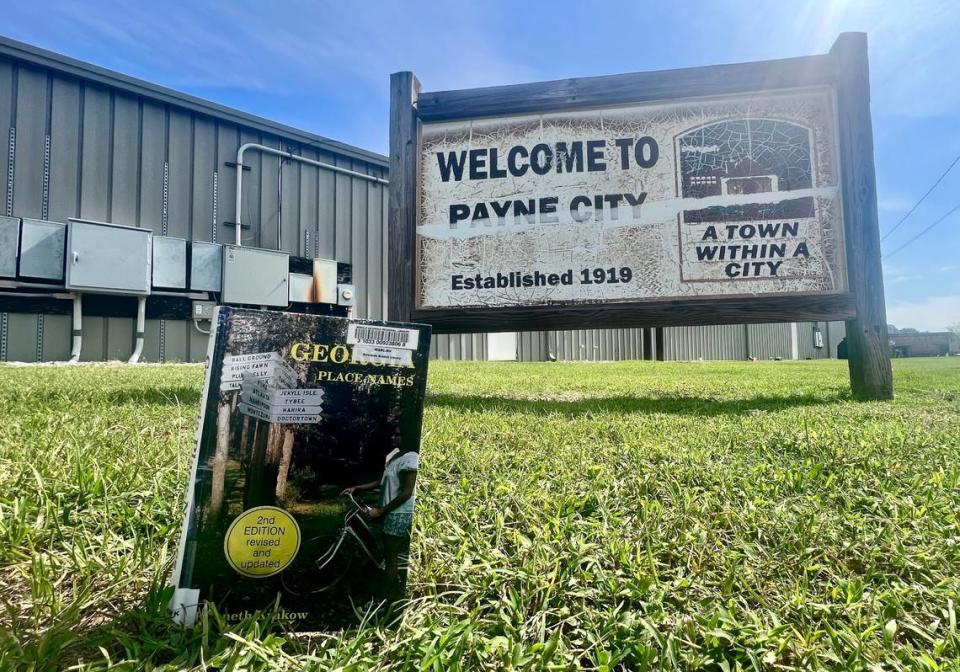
(262, 541)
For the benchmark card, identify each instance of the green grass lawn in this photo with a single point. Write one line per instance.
(604, 516)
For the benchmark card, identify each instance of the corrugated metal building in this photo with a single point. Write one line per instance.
(760, 341)
(82, 141)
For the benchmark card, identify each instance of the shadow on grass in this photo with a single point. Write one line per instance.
(686, 405)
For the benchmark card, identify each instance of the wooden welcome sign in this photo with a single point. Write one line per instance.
(727, 194)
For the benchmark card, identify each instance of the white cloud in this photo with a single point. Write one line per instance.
(893, 274)
(932, 314)
(330, 45)
(893, 204)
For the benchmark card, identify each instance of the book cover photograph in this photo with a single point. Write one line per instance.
(303, 487)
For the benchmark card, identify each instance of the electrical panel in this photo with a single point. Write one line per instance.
(169, 262)
(108, 258)
(206, 266)
(255, 277)
(41, 249)
(9, 246)
(324, 281)
(301, 287)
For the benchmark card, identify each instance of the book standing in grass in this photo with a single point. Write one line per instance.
(303, 487)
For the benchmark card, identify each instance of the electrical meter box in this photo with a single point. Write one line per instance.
(9, 246)
(206, 266)
(169, 262)
(255, 277)
(41, 249)
(108, 258)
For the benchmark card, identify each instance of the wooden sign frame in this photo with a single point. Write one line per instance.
(845, 69)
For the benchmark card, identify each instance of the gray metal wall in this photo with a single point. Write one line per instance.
(713, 342)
(591, 345)
(459, 346)
(763, 341)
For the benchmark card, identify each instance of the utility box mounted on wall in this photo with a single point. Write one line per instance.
(301, 288)
(255, 277)
(325, 281)
(9, 246)
(108, 258)
(41, 249)
(169, 262)
(206, 266)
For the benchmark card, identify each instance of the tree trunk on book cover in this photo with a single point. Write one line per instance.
(250, 449)
(261, 472)
(236, 419)
(220, 457)
(285, 458)
(274, 444)
(244, 437)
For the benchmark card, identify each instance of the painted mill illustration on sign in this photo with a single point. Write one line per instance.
(268, 389)
(729, 196)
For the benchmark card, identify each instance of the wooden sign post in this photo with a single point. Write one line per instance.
(729, 194)
(868, 343)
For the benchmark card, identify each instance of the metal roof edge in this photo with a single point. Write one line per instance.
(28, 53)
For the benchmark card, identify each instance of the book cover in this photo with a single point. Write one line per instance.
(303, 485)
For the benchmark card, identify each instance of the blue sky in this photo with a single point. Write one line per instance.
(324, 67)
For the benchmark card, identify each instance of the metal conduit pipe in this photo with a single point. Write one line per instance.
(293, 157)
(77, 327)
(196, 324)
(36, 295)
(141, 327)
(51, 291)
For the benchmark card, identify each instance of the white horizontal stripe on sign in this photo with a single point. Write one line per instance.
(651, 212)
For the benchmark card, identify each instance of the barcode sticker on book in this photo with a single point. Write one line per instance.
(363, 334)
